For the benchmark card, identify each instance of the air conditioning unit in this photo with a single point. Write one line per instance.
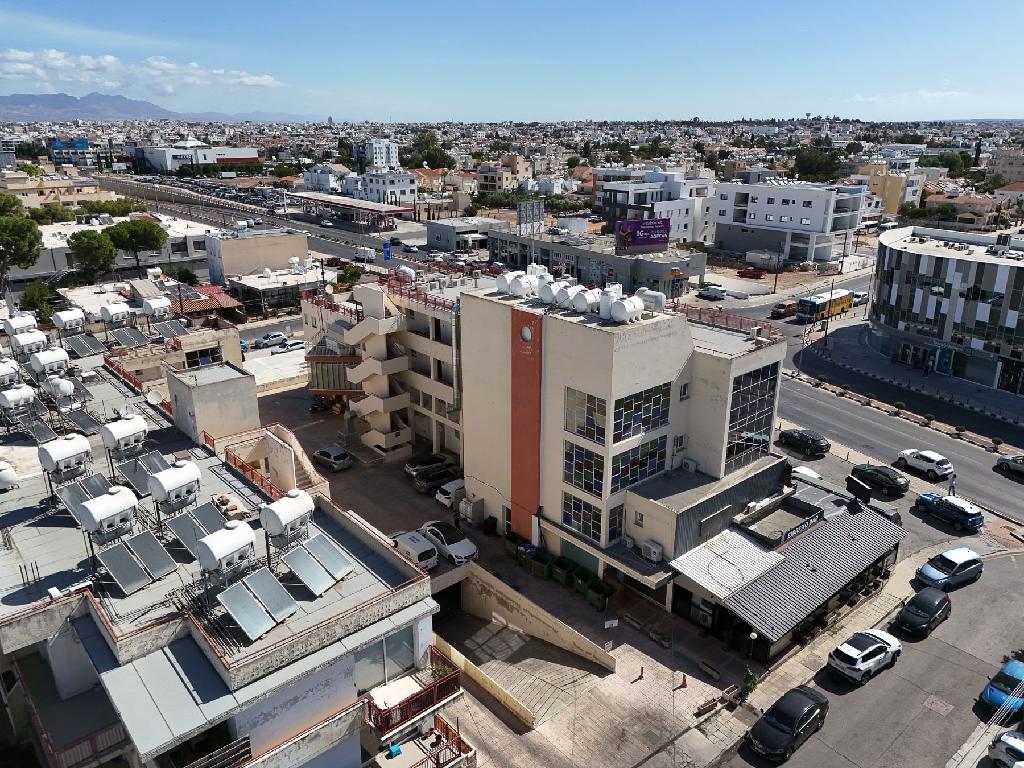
(651, 550)
(688, 465)
(629, 542)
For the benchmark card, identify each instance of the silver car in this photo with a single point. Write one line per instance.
(333, 458)
(1011, 465)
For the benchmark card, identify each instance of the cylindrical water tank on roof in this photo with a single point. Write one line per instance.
(653, 300)
(175, 483)
(50, 361)
(224, 548)
(114, 313)
(158, 306)
(8, 477)
(64, 452)
(8, 373)
(565, 295)
(504, 281)
(524, 286)
(19, 324)
(69, 320)
(28, 342)
(288, 512)
(406, 272)
(58, 387)
(627, 310)
(154, 273)
(124, 433)
(548, 290)
(16, 397)
(587, 301)
(114, 508)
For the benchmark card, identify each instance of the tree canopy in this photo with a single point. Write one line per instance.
(36, 297)
(20, 244)
(30, 169)
(51, 213)
(426, 150)
(93, 252)
(10, 205)
(815, 165)
(135, 236)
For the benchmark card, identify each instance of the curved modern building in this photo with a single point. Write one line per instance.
(951, 301)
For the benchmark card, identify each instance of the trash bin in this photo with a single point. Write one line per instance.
(540, 564)
(598, 594)
(512, 543)
(562, 569)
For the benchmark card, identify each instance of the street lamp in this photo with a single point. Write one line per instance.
(753, 638)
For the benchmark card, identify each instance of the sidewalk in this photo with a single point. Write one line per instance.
(806, 289)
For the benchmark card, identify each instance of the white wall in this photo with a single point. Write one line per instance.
(73, 672)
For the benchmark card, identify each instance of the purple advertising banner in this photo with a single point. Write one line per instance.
(635, 235)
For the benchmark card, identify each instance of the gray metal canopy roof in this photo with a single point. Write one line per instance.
(815, 567)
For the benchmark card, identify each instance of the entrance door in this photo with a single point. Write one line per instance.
(1011, 375)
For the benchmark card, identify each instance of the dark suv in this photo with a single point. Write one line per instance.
(429, 480)
(804, 440)
(788, 723)
(881, 478)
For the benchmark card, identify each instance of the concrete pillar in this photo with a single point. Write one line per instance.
(668, 596)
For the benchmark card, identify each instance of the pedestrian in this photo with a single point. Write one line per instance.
(952, 484)
(456, 518)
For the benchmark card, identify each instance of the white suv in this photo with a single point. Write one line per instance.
(864, 654)
(933, 464)
(1007, 750)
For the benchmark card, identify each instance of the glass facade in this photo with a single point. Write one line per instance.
(641, 412)
(636, 464)
(582, 516)
(385, 660)
(750, 416)
(615, 518)
(585, 415)
(583, 469)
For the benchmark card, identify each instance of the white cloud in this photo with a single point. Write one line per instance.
(48, 65)
(921, 96)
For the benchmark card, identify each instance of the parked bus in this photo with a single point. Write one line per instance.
(811, 309)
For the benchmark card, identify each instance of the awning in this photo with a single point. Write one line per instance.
(725, 563)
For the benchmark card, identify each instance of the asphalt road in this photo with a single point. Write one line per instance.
(920, 712)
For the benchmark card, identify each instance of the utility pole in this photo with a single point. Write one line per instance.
(828, 315)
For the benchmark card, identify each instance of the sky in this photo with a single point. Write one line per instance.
(432, 60)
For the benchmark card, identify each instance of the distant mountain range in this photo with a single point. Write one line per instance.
(57, 107)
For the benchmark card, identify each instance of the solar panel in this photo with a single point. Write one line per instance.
(246, 610)
(152, 554)
(209, 517)
(95, 485)
(186, 531)
(85, 421)
(96, 346)
(123, 569)
(130, 337)
(308, 571)
(39, 431)
(72, 495)
(81, 391)
(170, 328)
(329, 556)
(78, 345)
(136, 471)
(268, 590)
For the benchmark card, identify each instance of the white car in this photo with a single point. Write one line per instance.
(450, 542)
(288, 346)
(326, 223)
(860, 298)
(272, 339)
(450, 494)
(933, 464)
(865, 654)
(1007, 750)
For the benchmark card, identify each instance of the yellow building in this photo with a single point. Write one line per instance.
(891, 187)
(69, 190)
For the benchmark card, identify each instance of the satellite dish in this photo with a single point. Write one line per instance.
(153, 397)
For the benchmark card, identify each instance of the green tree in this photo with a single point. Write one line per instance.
(470, 210)
(854, 148)
(10, 205)
(815, 165)
(588, 150)
(36, 297)
(572, 162)
(30, 169)
(120, 207)
(135, 236)
(184, 275)
(20, 244)
(93, 252)
(425, 149)
(51, 213)
(29, 150)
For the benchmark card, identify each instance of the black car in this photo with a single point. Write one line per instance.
(881, 478)
(924, 611)
(419, 464)
(804, 440)
(788, 723)
(430, 480)
(318, 403)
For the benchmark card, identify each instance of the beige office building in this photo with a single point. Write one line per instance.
(248, 252)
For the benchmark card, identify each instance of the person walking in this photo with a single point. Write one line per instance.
(952, 484)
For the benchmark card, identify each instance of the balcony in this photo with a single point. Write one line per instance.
(374, 326)
(399, 435)
(374, 367)
(430, 688)
(396, 401)
(440, 747)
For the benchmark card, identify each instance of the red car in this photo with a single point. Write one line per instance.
(753, 272)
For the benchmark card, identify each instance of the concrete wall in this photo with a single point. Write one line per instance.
(485, 597)
(274, 458)
(247, 255)
(707, 412)
(219, 408)
(73, 672)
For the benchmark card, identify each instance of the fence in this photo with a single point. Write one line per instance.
(720, 319)
(399, 287)
(319, 301)
(446, 684)
(121, 373)
(252, 475)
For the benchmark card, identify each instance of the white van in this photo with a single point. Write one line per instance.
(451, 493)
(414, 546)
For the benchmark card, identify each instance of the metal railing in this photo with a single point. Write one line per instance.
(121, 373)
(254, 476)
(452, 748)
(720, 319)
(399, 287)
(332, 306)
(229, 756)
(446, 684)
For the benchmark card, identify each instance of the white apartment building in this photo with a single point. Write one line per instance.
(322, 178)
(686, 203)
(395, 187)
(602, 176)
(376, 153)
(68, 190)
(801, 221)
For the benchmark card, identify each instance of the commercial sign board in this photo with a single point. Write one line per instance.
(641, 235)
(529, 217)
(802, 526)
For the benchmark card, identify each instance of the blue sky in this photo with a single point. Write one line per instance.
(527, 60)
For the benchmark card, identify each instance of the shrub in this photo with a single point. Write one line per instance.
(997, 441)
(960, 429)
(899, 405)
(929, 417)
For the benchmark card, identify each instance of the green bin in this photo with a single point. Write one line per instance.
(540, 564)
(598, 594)
(512, 543)
(562, 569)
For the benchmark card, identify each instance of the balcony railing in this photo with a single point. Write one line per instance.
(452, 746)
(331, 306)
(229, 756)
(398, 286)
(719, 319)
(254, 476)
(446, 684)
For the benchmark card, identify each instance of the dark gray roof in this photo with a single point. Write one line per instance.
(816, 566)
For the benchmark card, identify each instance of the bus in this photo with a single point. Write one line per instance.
(811, 309)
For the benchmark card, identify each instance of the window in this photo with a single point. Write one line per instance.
(805, 221)
(723, 196)
(721, 212)
(583, 469)
(679, 444)
(753, 198)
(638, 518)
(807, 203)
(785, 201)
(585, 415)
(636, 464)
(581, 516)
(615, 520)
(769, 217)
(771, 201)
(750, 416)
(684, 390)
(751, 216)
(785, 218)
(641, 412)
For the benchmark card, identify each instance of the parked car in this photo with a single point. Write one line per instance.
(429, 480)
(410, 249)
(326, 223)
(395, 241)
(450, 494)
(804, 440)
(1011, 465)
(881, 478)
(951, 569)
(958, 512)
(450, 542)
(1001, 688)
(271, 339)
(865, 654)
(428, 461)
(288, 346)
(333, 458)
(712, 293)
(860, 298)
(415, 546)
(788, 723)
(933, 464)
(924, 611)
(784, 309)
(751, 272)
(1007, 750)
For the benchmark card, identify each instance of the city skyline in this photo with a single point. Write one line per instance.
(541, 63)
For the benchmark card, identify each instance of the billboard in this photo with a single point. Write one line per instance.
(529, 217)
(641, 235)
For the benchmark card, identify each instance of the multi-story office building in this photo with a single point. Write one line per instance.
(505, 175)
(801, 221)
(376, 153)
(951, 301)
(686, 203)
(191, 151)
(602, 176)
(394, 187)
(68, 190)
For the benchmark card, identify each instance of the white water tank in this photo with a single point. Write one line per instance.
(19, 324)
(65, 453)
(227, 548)
(405, 271)
(176, 484)
(16, 397)
(288, 514)
(158, 306)
(504, 281)
(565, 295)
(548, 291)
(8, 373)
(114, 509)
(28, 342)
(536, 269)
(627, 310)
(653, 300)
(587, 301)
(70, 320)
(54, 361)
(524, 286)
(124, 434)
(154, 273)
(56, 386)
(610, 293)
(115, 313)
(8, 477)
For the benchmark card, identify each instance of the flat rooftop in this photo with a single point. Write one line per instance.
(908, 239)
(349, 202)
(679, 491)
(283, 278)
(56, 235)
(600, 244)
(209, 374)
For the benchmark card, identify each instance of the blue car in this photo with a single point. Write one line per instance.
(958, 512)
(998, 692)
